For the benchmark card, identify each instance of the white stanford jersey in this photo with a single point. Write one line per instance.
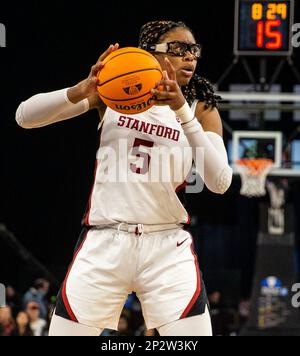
(128, 158)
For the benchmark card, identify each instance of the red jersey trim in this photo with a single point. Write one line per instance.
(198, 287)
(64, 289)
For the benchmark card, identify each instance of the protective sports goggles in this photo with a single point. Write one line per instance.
(175, 48)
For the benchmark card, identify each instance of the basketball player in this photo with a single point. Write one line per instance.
(133, 237)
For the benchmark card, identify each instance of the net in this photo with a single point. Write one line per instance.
(254, 172)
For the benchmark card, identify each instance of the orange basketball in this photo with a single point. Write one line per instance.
(127, 78)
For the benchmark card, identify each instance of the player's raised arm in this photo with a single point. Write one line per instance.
(48, 108)
(216, 172)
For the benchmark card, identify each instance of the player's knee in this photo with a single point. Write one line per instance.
(63, 327)
(199, 325)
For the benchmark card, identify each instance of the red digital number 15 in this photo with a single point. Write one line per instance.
(266, 29)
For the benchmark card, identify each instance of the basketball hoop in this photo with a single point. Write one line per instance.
(254, 172)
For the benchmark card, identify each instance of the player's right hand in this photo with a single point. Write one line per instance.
(88, 87)
(90, 83)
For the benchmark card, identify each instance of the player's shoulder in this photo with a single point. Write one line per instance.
(202, 108)
(209, 117)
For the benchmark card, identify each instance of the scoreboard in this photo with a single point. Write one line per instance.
(263, 27)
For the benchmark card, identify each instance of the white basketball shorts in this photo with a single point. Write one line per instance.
(160, 267)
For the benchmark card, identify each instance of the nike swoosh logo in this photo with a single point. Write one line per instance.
(181, 243)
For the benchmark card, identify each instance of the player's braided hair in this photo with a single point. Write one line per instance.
(198, 88)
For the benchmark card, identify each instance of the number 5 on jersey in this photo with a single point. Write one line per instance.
(136, 151)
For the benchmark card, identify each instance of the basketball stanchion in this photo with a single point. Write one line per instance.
(259, 156)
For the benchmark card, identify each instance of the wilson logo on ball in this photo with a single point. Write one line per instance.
(133, 90)
(134, 108)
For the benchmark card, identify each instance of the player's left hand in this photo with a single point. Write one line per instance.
(168, 91)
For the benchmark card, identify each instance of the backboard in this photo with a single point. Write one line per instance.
(268, 145)
(257, 144)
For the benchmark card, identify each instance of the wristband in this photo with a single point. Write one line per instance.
(65, 94)
(185, 114)
(186, 123)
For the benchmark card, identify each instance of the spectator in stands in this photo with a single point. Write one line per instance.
(150, 333)
(142, 331)
(123, 328)
(7, 324)
(37, 294)
(37, 324)
(244, 311)
(22, 325)
(13, 300)
(217, 316)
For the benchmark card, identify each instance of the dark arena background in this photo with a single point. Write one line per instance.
(46, 174)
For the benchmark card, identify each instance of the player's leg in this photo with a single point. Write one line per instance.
(199, 325)
(172, 291)
(97, 283)
(63, 327)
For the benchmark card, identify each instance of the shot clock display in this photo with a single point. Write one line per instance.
(263, 27)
